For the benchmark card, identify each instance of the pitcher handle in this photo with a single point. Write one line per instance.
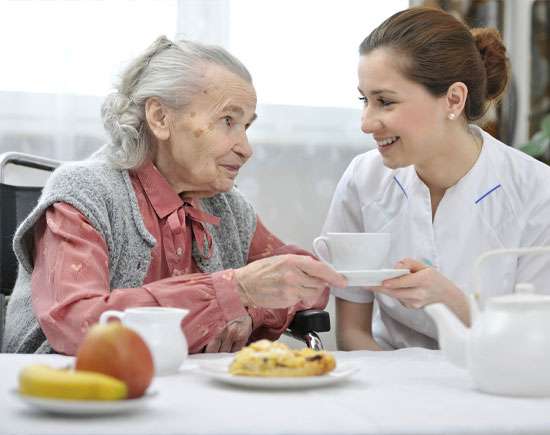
(106, 315)
(537, 250)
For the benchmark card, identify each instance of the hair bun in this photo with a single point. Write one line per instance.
(119, 120)
(116, 103)
(493, 54)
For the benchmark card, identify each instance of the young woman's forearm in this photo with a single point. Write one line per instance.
(356, 339)
(354, 326)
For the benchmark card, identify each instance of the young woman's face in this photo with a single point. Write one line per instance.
(406, 121)
(208, 141)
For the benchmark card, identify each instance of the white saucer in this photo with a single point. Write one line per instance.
(86, 407)
(371, 278)
(218, 371)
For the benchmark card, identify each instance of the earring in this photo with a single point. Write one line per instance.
(452, 116)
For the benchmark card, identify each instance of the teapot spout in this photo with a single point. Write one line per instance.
(452, 333)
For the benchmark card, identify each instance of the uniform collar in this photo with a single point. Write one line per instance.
(478, 183)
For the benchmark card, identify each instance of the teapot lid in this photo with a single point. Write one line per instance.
(524, 294)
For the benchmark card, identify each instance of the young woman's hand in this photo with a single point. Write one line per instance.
(424, 286)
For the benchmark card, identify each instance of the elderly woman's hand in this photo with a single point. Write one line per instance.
(233, 337)
(284, 280)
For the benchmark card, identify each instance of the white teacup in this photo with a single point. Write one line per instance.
(353, 251)
(160, 328)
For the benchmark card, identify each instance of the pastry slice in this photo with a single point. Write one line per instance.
(273, 359)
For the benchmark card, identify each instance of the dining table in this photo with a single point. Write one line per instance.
(408, 391)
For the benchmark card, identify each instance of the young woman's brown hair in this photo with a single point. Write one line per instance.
(436, 50)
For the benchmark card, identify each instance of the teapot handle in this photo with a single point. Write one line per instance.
(537, 250)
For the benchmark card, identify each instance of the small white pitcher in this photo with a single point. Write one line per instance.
(160, 328)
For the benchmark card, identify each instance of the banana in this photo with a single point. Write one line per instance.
(44, 381)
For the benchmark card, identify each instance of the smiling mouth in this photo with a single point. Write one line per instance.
(231, 168)
(386, 142)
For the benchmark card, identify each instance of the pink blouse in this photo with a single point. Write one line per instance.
(70, 281)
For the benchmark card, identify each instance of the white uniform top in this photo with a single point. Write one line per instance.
(502, 202)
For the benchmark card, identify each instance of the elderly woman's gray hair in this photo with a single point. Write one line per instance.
(170, 71)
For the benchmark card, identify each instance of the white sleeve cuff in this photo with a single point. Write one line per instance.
(360, 295)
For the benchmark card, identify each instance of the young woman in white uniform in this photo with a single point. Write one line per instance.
(446, 190)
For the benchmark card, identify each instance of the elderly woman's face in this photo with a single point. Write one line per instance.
(207, 143)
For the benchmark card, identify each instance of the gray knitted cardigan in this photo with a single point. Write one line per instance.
(104, 195)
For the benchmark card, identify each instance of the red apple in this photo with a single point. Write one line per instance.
(118, 351)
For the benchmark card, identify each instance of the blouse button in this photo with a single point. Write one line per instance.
(179, 251)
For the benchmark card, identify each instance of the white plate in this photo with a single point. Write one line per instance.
(218, 370)
(85, 407)
(371, 278)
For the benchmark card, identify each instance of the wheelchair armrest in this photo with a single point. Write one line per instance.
(306, 324)
(308, 321)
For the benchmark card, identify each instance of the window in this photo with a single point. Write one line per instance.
(60, 60)
(76, 47)
(305, 52)
(62, 56)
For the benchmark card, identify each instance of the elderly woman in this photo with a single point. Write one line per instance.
(153, 218)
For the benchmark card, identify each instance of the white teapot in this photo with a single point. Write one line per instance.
(507, 348)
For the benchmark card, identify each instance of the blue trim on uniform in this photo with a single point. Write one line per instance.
(487, 193)
(402, 188)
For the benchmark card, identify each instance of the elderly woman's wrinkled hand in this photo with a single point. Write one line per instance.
(285, 280)
(233, 337)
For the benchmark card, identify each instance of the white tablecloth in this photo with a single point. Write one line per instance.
(411, 391)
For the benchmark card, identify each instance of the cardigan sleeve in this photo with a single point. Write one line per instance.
(70, 286)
